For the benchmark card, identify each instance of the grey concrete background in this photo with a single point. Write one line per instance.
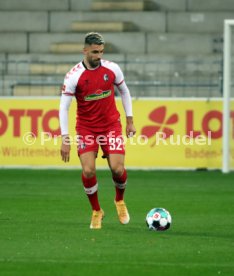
(34, 5)
(210, 5)
(41, 42)
(175, 32)
(145, 21)
(85, 5)
(199, 22)
(187, 26)
(13, 42)
(13, 21)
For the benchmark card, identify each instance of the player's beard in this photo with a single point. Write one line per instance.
(94, 63)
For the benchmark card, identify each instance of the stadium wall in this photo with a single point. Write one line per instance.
(171, 133)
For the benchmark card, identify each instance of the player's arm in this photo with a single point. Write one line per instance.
(126, 100)
(65, 103)
(68, 91)
(127, 104)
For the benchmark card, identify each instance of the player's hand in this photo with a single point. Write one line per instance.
(65, 148)
(130, 128)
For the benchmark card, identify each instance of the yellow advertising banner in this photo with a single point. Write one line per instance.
(179, 133)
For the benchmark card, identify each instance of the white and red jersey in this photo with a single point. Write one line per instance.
(94, 92)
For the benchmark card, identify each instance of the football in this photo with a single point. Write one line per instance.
(158, 219)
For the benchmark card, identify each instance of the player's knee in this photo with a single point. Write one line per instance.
(117, 170)
(89, 172)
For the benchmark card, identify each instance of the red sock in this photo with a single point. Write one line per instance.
(120, 185)
(91, 188)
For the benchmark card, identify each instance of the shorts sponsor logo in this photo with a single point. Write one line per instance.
(82, 145)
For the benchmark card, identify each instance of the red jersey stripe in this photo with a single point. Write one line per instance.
(68, 94)
(118, 84)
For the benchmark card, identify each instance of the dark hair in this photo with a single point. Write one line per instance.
(94, 38)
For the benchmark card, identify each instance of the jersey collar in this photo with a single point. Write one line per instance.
(92, 68)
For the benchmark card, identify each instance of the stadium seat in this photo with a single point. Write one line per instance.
(66, 48)
(49, 69)
(123, 5)
(103, 26)
(36, 90)
(72, 48)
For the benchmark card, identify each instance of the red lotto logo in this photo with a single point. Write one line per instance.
(161, 123)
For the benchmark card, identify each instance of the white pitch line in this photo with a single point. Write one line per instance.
(75, 261)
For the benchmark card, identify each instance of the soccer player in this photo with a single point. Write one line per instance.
(98, 123)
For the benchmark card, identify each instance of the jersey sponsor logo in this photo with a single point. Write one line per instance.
(99, 94)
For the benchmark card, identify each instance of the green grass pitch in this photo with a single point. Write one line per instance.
(45, 217)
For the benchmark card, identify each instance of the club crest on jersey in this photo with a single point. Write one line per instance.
(99, 94)
(105, 77)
